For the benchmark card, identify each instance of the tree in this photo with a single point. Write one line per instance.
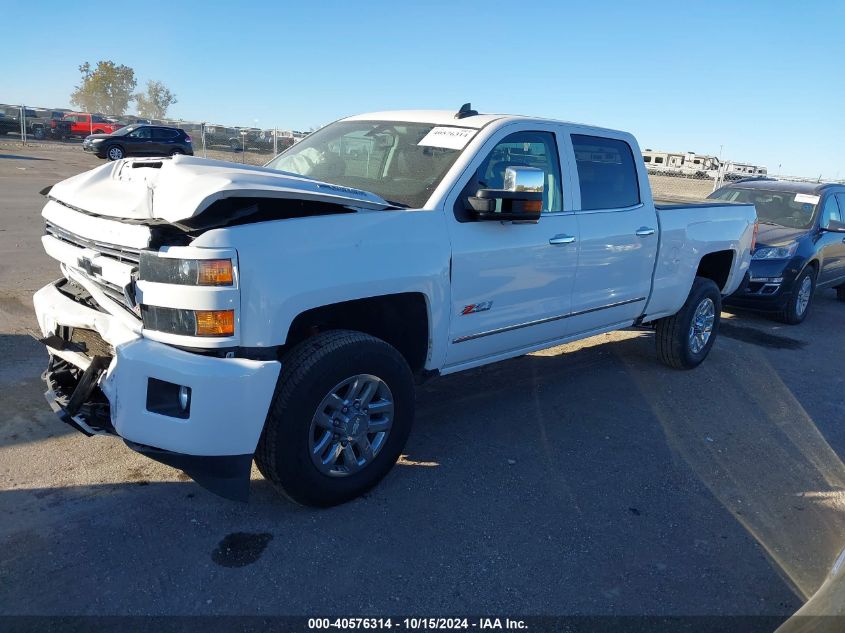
(153, 103)
(107, 88)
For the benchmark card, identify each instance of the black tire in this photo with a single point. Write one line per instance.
(38, 133)
(309, 373)
(792, 313)
(674, 346)
(114, 152)
(176, 152)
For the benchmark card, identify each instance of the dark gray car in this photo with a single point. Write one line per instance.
(139, 140)
(800, 244)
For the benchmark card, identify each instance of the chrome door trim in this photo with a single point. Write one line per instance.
(519, 326)
(634, 207)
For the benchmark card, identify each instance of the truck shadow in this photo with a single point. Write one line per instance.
(621, 485)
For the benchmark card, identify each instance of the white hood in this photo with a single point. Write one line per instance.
(181, 187)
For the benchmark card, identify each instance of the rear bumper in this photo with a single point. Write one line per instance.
(229, 397)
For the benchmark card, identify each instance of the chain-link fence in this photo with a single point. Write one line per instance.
(60, 127)
(673, 175)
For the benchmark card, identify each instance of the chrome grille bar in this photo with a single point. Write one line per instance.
(120, 253)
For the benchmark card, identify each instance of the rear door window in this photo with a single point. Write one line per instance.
(607, 173)
(161, 133)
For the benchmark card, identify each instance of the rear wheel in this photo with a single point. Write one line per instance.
(341, 414)
(176, 152)
(684, 339)
(798, 306)
(115, 152)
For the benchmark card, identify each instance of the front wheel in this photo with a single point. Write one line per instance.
(798, 306)
(114, 152)
(339, 419)
(684, 339)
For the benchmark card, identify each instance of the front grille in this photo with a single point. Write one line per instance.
(90, 342)
(120, 253)
(124, 254)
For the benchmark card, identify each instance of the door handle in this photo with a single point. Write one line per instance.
(645, 231)
(561, 238)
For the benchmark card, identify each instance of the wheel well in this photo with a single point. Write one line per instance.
(716, 266)
(400, 319)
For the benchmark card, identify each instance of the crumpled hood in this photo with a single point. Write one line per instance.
(182, 187)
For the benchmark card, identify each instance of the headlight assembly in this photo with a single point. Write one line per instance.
(185, 272)
(775, 252)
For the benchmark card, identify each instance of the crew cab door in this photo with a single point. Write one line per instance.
(832, 245)
(511, 282)
(618, 233)
(163, 141)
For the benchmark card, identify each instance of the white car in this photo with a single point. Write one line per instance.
(212, 313)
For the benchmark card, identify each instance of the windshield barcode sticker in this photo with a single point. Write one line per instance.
(805, 198)
(448, 137)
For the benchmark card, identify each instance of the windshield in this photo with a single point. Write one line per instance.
(400, 162)
(783, 208)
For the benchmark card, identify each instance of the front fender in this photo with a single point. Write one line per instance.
(290, 266)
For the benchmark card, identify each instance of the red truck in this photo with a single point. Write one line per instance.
(83, 124)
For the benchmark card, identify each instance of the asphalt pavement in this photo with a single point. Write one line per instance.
(583, 480)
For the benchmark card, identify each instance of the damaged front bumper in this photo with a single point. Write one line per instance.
(104, 377)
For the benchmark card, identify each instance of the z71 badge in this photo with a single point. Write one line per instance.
(477, 307)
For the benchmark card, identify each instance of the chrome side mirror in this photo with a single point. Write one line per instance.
(521, 200)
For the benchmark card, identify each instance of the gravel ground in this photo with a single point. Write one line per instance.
(585, 479)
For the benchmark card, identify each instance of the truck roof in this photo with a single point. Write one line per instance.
(447, 118)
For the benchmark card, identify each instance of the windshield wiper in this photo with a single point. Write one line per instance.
(398, 205)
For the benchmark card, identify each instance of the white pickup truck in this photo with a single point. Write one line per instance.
(212, 314)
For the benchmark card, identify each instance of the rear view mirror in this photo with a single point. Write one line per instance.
(521, 200)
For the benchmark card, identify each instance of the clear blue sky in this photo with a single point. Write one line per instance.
(764, 79)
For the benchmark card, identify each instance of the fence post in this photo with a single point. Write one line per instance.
(23, 125)
(202, 135)
(275, 141)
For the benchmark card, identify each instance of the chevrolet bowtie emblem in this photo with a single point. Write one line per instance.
(88, 266)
